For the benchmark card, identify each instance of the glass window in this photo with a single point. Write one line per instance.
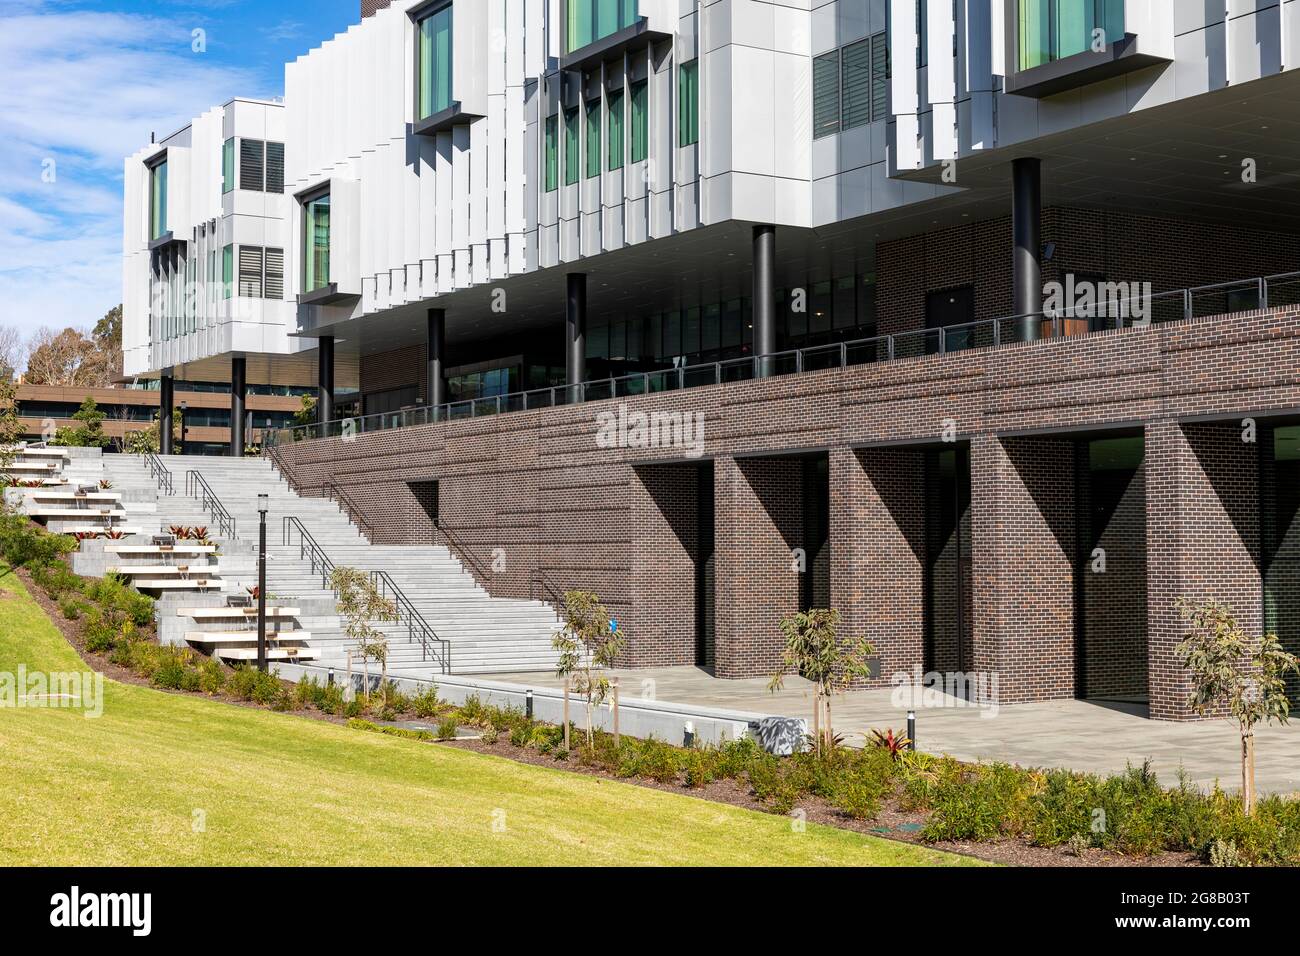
(1054, 29)
(922, 33)
(552, 172)
(590, 20)
(571, 145)
(879, 77)
(688, 103)
(855, 81)
(826, 94)
(158, 201)
(316, 258)
(435, 62)
(640, 121)
(593, 138)
(228, 166)
(227, 271)
(614, 129)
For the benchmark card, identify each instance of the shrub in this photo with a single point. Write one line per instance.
(860, 797)
(490, 734)
(425, 704)
(175, 671)
(987, 802)
(1064, 811)
(447, 729)
(71, 608)
(404, 732)
(101, 635)
(56, 579)
(330, 700)
(249, 683)
(307, 693)
(701, 767)
(211, 676)
(472, 710)
(521, 735)
(24, 544)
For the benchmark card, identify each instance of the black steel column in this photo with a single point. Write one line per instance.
(1026, 227)
(764, 297)
(435, 351)
(238, 399)
(166, 399)
(325, 380)
(575, 327)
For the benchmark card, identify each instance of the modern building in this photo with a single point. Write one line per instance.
(204, 407)
(976, 321)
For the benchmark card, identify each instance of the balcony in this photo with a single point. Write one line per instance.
(1160, 309)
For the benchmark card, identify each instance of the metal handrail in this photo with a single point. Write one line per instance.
(416, 626)
(159, 472)
(344, 500)
(209, 500)
(883, 347)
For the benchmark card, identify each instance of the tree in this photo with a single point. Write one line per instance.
(587, 643)
(11, 426)
(1232, 673)
(360, 603)
(813, 650)
(11, 353)
(89, 433)
(306, 414)
(142, 440)
(69, 357)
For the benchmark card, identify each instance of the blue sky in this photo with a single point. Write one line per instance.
(82, 85)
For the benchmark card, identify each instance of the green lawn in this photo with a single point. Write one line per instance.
(126, 788)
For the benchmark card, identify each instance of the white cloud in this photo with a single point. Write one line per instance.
(83, 90)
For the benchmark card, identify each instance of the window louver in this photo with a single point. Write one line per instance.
(275, 167)
(250, 271)
(252, 164)
(274, 274)
(880, 77)
(856, 82)
(826, 94)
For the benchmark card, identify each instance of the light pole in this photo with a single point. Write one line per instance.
(261, 582)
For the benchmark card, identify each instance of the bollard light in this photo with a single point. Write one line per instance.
(688, 737)
(528, 703)
(911, 730)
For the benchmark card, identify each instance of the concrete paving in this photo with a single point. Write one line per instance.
(1081, 735)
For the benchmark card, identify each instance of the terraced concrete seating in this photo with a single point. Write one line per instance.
(486, 634)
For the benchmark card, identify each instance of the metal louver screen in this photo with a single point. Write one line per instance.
(250, 271)
(274, 274)
(275, 167)
(826, 94)
(252, 164)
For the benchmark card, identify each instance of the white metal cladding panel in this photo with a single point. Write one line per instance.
(1254, 43)
(1291, 34)
(903, 83)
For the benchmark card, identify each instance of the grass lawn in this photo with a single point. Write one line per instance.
(128, 787)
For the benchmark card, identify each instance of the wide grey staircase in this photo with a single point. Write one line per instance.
(484, 634)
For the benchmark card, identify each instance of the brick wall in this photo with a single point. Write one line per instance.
(370, 7)
(1168, 253)
(1202, 541)
(536, 486)
(665, 547)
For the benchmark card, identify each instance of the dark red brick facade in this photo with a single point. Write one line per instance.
(536, 506)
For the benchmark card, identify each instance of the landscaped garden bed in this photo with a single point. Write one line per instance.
(993, 811)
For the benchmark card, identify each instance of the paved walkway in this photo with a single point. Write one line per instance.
(1060, 733)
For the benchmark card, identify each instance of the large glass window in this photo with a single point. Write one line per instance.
(640, 121)
(571, 146)
(688, 103)
(552, 158)
(590, 20)
(316, 256)
(1054, 29)
(158, 200)
(593, 138)
(435, 62)
(614, 129)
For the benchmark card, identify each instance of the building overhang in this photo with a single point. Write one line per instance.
(326, 295)
(164, 241)
(616, 44)
(1081, 69)
(444, 120)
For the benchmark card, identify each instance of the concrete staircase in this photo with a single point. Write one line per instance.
(485, 634)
